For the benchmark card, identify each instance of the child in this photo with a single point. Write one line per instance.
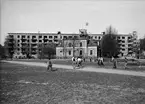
(49, 65)
(114, 63)
(74, 62)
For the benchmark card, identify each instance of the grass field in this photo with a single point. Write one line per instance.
(22, 84)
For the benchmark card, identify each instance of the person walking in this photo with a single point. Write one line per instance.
(114, 63)
(101, 61)
(79, 62)
(49, 65)
(74, 61)
(98, 60)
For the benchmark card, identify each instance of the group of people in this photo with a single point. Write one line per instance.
(100, 61)
(77, 62)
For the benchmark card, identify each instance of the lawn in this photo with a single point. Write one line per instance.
(21, 84)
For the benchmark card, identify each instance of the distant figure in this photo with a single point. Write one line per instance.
(101, 61)
(98, 60)
(49, 65)
(74, 62)
(79, 60)
(125, 65)
(84, 59)
(112, 59)
(90, 59)
(114, 63)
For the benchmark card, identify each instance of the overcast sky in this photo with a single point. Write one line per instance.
(70, 16)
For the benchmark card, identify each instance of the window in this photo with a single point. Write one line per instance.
(28, 36)
(18, 49)
(95, 37)
(27, 40)
(123, 45)
(40, 36)
(18, 40)
(40, 40)
(123, 41)
(118, 37)
(69, 37)
(69, 52)
(50, 40)
(23, 36)
(45, 36)
(75, 37)
(50, 36)
(123, 49)
(69, 45)
(55, 36)
(18, 45)
(18, 36)
(91, 52)
(81, 52)
(123, 37)
(65, 37)
(80, 44)
(33, 36)
(99, 37)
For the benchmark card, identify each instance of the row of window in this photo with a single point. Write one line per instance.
(23, 36)
(123, 37)
(81, 52)
(98, 37)
(70, 44)
(41, 41)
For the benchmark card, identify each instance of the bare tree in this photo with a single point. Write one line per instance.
(109, 44)
(10, 45)
(110, 30)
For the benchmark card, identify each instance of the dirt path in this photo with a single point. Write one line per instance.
(89, 68)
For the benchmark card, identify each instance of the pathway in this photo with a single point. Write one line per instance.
(89, 68)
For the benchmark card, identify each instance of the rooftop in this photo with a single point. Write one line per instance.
(67, 34)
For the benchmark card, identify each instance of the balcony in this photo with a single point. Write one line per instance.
(34, 43)
(24, 43)
(35, 46)
(130, 43)
(23, 38)
(45, 39)
(34, 52)
(34, 39)
(130, 51)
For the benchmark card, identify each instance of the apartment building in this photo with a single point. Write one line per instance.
(27, 43)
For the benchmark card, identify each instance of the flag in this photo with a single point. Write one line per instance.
(87, 23)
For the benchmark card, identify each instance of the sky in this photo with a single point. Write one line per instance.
(51, 16)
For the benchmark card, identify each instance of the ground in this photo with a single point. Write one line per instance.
(34, 85)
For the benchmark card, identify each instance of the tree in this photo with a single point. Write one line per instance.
(2, 51)
(109, 44)
(142, 44)
(48, 49)
(10, 45)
